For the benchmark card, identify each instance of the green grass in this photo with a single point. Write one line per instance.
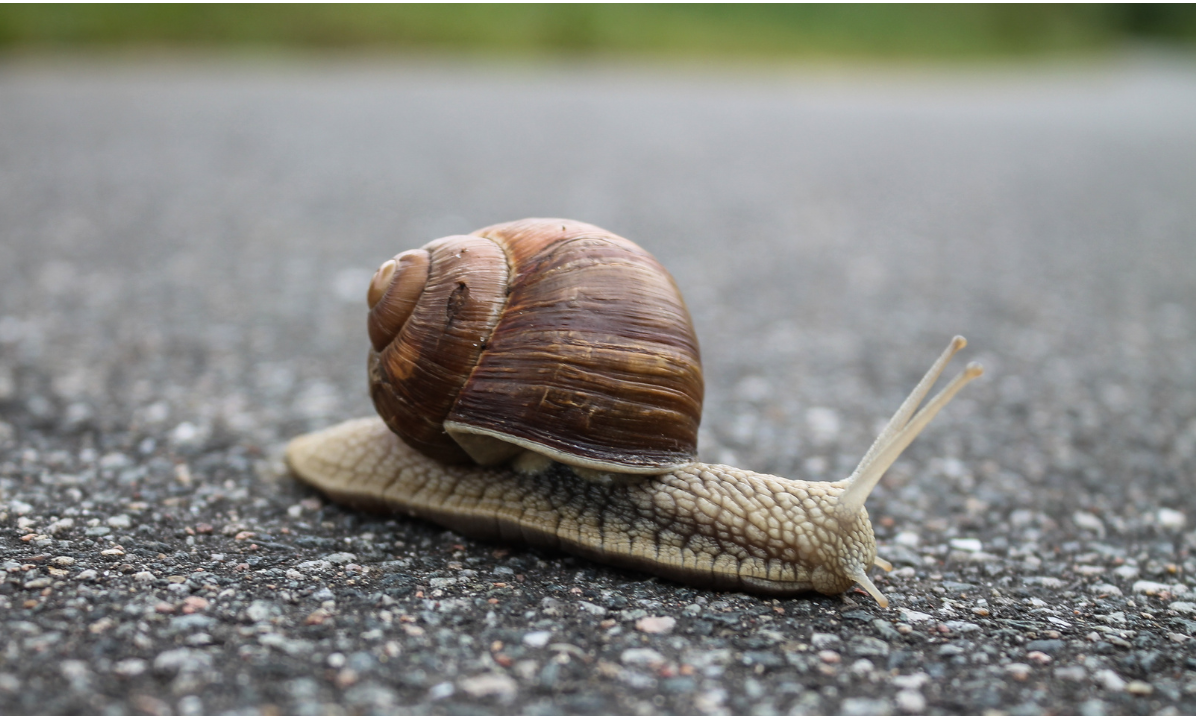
(769, 31)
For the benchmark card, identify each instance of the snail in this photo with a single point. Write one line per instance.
(539, 382)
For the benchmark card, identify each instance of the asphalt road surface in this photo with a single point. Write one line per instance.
(184, 251)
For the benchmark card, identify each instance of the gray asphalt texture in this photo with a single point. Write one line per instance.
(184, 251)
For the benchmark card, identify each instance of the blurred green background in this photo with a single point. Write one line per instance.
(916, 32)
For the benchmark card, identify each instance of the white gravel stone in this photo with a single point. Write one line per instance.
(537, 639)
(911, 681)
(1089, 521)
(498, 685)
(824, 641)
(592, 609)
(185, 434)
(1126, 571)
(914, 617)
(656, 625)
(966, 544)
(130, 667)
(182, 660)
(291, 647)
(865, 707)
(910, 701)
(1109, 680)
(261, 610)
(641, 657)
(1170, 519)
(1149, 588)
(57, 526)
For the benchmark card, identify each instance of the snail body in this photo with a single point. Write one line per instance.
(605, 467)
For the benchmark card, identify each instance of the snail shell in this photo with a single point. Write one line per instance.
(546, 335)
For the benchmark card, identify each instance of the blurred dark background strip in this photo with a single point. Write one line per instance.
(684, 31)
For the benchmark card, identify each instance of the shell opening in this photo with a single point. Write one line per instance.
(492, 447)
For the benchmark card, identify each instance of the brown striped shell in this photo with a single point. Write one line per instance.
(546, 335)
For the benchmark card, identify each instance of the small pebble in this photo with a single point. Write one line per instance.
(856, 706)
(656, 625)
(641, 657)
(1150, 588)
(1109, 680)
(498, 685)
(966, 545)
(537, 639)
(1170, 519)
(1139, 688)
(1070, 673)
(911, 702)
(130, 667)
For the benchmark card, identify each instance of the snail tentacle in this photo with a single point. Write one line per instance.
(876, 462)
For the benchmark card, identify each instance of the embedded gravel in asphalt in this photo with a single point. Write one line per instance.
(184, 253)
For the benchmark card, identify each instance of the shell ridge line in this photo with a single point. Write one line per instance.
(493, 317)
(575, 368)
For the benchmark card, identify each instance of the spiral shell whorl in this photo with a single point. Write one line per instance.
(415, 378)
(542, 334)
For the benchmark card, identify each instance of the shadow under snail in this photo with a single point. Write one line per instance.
(539, 382)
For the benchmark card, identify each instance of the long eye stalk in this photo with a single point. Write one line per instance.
(902, 429)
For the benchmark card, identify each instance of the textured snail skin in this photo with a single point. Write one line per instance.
(707, 525)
